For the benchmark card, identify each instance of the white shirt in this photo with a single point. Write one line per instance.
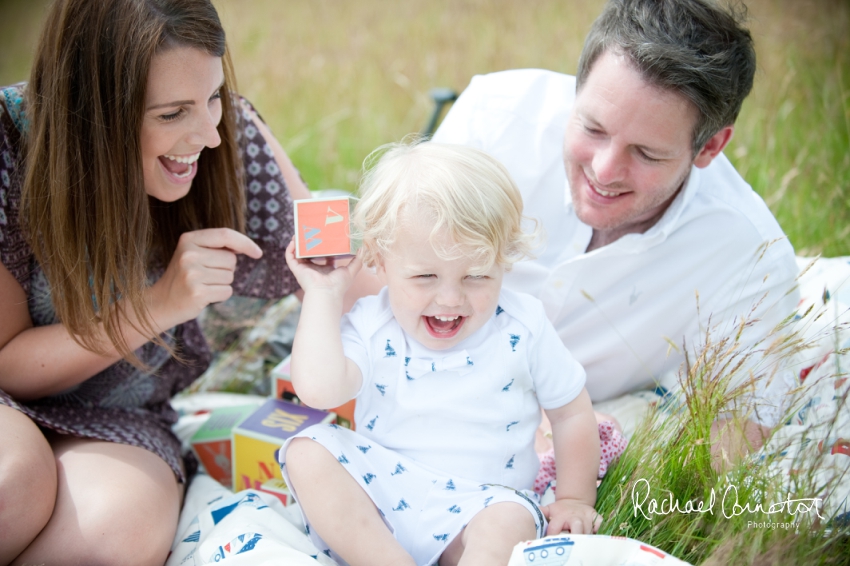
(472, 410)
(620, 307)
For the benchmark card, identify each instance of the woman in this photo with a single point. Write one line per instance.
(124, 164)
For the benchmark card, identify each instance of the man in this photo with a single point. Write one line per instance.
(651, 236)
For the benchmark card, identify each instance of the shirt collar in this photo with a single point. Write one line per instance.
(417, 367)
(420, 360)
(669, 221)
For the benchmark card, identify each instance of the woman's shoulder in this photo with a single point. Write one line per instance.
(246, 113)
(15, 253)
(12, 105)
(13, 123)
(256, 152)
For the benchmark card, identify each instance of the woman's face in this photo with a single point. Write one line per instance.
(182, 111)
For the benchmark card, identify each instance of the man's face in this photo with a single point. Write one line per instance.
(627, 148)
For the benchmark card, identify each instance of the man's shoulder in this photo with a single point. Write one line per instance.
(519, 81)
(513, 103)
(532, 92)
(518, 117)
(725, 194)
(731, 225)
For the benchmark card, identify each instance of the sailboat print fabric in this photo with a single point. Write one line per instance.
(475, 413)
(464, 416)
(423, 508)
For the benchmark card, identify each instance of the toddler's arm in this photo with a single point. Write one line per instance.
(321, 374)
(575, 435)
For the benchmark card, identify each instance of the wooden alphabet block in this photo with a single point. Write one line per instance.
(258, 437)
(282, 389)
(212, 443)
(323, 227)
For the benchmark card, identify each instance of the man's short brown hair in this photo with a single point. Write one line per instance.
(697, 48)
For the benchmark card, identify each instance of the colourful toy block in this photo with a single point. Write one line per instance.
(258, 437)
(282, 381)
(282, 389)
(279, 489)
(212, 442)
(323, 227)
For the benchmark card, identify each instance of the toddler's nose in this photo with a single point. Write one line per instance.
(449, 296)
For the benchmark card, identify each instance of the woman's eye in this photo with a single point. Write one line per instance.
(476, 277)
(170, 117)
(216, 96)
(425, 276)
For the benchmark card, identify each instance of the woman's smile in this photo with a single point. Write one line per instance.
(180, 169)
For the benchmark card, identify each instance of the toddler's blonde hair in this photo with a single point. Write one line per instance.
(456, 188)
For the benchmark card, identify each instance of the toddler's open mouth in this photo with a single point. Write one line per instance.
(444, 326)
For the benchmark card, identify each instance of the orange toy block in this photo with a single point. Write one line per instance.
(282, 389)
(323, 227)
(212, 442)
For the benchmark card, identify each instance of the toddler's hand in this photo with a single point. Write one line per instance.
(327, 277)
(568, 515)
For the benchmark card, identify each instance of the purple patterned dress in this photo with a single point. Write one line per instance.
(123, 404)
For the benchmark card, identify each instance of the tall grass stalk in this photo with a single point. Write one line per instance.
(669, 459)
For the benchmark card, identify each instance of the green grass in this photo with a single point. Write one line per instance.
(336, 79)
(669, 459)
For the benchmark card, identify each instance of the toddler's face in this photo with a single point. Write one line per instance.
(437, 302)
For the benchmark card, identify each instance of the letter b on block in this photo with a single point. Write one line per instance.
(287, 422)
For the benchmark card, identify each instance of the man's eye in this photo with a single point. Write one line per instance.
(648, 159)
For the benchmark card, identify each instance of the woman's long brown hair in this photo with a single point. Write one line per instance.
(92, 227)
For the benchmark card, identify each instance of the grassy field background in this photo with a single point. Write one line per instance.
(335, 79)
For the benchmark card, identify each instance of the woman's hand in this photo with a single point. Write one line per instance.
(330, 277)
(41, 361)
(200, 272)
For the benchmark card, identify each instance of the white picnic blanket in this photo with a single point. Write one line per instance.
(244, 528)
(580, 550)
(818, 434)
(250, 527)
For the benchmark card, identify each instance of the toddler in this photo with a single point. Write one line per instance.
(449, 371)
